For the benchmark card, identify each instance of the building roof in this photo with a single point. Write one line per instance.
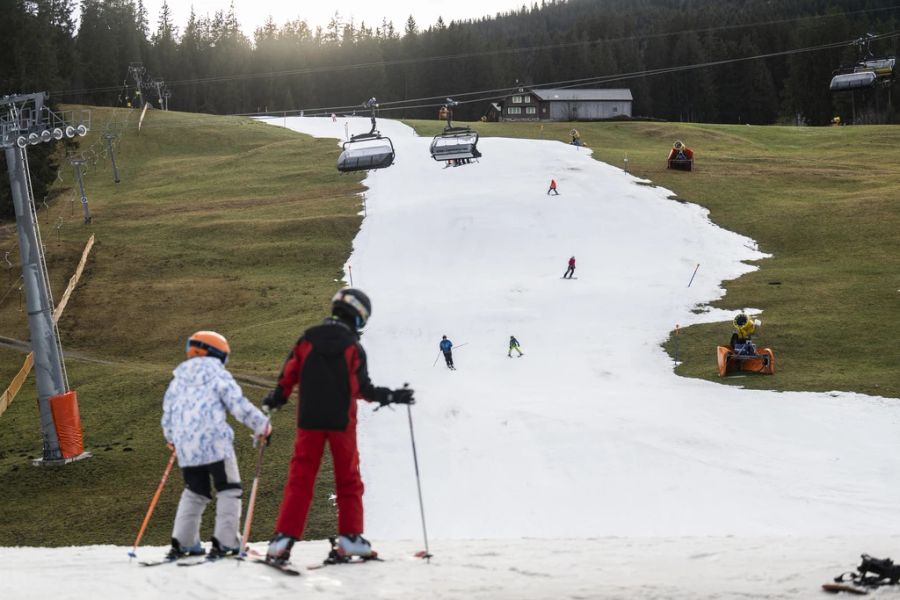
(568, 95)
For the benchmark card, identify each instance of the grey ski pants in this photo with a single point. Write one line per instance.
(198, 493)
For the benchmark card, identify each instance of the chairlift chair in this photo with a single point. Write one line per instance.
(868, 72)
(455, 143)
(366, 151)
(461, 144)
(844, 82)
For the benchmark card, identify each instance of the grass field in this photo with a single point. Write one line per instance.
(228, 224)
(824, 202)
(218, 223)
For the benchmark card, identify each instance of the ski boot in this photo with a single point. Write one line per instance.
(350, 548)
(178, 551)
(218, 551)
(279, 552)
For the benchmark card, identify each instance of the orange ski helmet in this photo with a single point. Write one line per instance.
(208, 343)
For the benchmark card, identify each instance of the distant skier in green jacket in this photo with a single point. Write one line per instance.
(513, 345)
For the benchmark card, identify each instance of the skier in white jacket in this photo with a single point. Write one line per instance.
(194, 422)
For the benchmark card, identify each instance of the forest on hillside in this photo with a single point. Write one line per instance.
(210, 65)
(716, 61)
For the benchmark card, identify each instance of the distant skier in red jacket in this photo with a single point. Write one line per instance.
(552, 187)
(571, 270)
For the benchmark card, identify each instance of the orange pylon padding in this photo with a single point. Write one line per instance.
(68, 423)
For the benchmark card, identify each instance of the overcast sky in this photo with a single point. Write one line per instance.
(253, 13)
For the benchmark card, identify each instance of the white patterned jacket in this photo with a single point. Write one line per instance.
(194, 417)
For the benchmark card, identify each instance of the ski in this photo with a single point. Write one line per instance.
(208, 560)
(283, 568)
(336, 558)
(349, 561)
(165, 561)
(835, 588)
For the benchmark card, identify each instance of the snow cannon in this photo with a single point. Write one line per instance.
(741, 354)
(757, 360)
(681, 158)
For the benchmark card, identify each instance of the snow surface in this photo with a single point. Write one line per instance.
(586, 468)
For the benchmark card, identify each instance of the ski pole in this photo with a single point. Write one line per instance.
(426, 554)
(694, 275)
(153, 502)
(436, 357)
(251, 504)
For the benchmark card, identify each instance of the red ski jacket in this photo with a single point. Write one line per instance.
(328, 364)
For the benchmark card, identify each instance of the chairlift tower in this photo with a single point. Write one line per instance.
(138, 74)
(109, 137)
(25, 121)
(77, 162)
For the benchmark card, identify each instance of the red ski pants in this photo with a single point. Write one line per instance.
(298, 491)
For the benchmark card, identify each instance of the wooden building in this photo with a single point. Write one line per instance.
(558, 104)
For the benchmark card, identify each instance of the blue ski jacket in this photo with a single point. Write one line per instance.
(446, 345)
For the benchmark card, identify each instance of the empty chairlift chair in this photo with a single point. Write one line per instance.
(366, 150)
(867, 73)
(455, 143)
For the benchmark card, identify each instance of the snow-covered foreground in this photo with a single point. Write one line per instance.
(683, 568)
(586, 468)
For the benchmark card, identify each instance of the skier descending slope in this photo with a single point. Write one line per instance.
(513, 345)
(571, 270)
(194, 422)
(446, 347)
(328, 365)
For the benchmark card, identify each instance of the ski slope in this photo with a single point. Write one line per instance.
(586, 468)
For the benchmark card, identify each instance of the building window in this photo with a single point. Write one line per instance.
(526, 99)
(517, 99)
(615, 109)
(514, 110)
(530, 110)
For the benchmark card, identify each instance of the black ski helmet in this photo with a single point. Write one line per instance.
(353, 304)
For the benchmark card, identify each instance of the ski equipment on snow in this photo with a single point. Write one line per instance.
(153, 502)
(426, 554)
(251, 504)
(338, 556)
(871, 573)
(283, 568)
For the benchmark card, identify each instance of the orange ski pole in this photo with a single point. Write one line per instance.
(251, 504)
(153, 502)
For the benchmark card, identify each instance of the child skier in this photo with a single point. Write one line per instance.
(446, 347)
(194, 422)
(552, 187)
(328, 365)
(571, 270)
(514, 345)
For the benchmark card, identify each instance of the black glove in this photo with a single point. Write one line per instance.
(274, 400)
(385, 396)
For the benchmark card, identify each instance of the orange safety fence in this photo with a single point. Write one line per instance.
(7, 397)
(73, 281)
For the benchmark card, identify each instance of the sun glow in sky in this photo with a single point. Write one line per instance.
(253, 13)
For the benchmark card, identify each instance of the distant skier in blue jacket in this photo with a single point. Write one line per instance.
(446, 347)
